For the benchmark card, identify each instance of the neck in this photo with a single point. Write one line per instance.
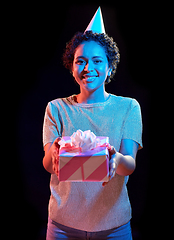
(92, 97)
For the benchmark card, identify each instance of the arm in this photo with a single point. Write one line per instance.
(126, 157)
(123, 162)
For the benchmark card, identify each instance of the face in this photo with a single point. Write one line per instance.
(90, 66)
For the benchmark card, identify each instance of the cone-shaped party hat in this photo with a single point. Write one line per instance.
(96, 24)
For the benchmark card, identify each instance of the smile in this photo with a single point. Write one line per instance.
(89, 78)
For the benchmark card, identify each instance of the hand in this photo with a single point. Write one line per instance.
(112, 164)
(55, 156)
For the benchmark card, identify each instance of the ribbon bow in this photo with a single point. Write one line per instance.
(85, 141)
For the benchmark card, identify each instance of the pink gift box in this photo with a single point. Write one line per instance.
(77, 166)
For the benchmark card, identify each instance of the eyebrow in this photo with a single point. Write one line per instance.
(92, 57)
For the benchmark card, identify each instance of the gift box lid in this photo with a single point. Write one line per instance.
(72, 152)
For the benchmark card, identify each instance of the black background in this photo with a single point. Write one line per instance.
(37, 34)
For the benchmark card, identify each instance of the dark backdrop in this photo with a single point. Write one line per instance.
(38, 34)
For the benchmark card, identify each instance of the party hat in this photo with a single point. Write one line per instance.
(96, 24)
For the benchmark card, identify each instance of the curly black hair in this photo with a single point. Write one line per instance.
(111, 49)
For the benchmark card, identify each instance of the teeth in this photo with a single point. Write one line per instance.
(89, 78)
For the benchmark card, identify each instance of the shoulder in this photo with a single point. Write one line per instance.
(58, 106)
(124, 101)
(58, 102)
(52, 107)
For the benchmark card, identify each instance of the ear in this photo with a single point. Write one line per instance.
(71, 71)
(109, 72)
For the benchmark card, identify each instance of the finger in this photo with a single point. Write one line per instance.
(112, 174)
(55, 161)
(56, 142)
(105, 183)
(55, 155)
(55, 167)
(112, 150)
(112, 171)
(112, 167)
(108, 146)
(112, 164)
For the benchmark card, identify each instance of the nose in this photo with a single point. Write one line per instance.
(89, 67)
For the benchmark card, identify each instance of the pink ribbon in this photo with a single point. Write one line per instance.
(69, 148)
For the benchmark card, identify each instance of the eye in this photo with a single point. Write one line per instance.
(80, 62)
(97, 61)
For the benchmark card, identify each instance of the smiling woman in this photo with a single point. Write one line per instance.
(79, 210)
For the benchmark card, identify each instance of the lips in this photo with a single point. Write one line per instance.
(88, 78)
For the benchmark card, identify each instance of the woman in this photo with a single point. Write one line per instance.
(92, 210)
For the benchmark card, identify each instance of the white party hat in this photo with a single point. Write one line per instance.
(96, 24)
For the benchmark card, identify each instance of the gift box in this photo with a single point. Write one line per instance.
(84, 160)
